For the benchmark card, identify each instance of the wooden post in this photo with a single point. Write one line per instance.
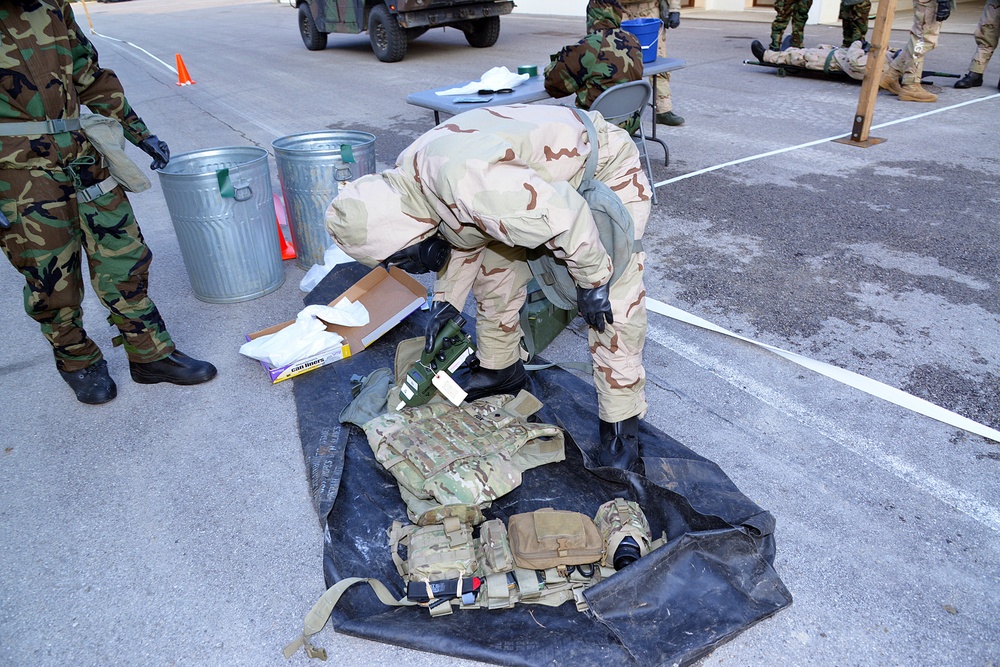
(873, 74)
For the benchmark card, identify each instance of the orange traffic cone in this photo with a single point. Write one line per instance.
(287, 249)
(183, 78)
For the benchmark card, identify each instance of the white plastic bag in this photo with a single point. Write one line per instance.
(307, 336)
(331, 258)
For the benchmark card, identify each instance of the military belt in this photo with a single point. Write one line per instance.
(97, 190)
(31, 127)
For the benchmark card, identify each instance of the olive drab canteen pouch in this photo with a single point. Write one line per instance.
(618, 519)
(440, 454)
(108, 138)
(614, 226)
(549, 538)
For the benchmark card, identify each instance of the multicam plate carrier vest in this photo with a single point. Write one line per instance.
(470, 455)
(452, 462)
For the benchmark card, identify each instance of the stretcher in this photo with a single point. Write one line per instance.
(785, 70)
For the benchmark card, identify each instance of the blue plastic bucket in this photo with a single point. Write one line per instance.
(647, 31)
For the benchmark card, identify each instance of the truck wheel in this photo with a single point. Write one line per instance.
(311, 37)
(484, 32)
(387, 37)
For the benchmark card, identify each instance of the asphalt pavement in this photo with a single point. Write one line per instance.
(173, 526)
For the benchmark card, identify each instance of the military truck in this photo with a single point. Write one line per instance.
(391, 25)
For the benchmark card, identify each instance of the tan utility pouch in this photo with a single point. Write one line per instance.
(495, 546)
(108, 139)
(549, 538)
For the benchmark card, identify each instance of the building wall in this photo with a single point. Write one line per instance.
(822, 11)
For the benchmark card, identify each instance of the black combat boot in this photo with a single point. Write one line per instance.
(970, 80)
(176, 368)
(619, 444)
(757, 49)
(485, 382)
(92, 384)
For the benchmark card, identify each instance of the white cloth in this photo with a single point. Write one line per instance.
(307, 336)
(494, 79)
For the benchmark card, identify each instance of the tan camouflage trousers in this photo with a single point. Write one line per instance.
(651, 10)
(987, 33)
(49, 229)
(909, 62)
(498, 276)
(819, 58)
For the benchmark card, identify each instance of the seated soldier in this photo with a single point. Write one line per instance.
(824, 58)
(470, 198)
(607, 56)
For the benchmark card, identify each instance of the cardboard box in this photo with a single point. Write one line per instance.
(389, 297)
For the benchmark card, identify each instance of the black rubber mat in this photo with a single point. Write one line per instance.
(713, 578)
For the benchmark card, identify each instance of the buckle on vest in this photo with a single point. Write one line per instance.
(57, 125)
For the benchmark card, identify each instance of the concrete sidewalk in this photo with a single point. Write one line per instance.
(174, 526)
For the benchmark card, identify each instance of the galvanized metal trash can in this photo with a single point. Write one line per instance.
(311, 166)
(222, 208)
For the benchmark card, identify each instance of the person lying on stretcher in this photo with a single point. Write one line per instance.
(823, 58)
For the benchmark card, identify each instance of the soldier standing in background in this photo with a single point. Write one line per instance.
(467, 200)
(908, 65)
(796, 11)
(986, 35)
(607, 56)
(56, 198)
(854, 20)
(668, 11)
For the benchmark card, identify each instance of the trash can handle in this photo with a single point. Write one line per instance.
(238, 190)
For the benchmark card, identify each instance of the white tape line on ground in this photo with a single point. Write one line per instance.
(850, 378)
(821, 141)
(868, 449)
(134, 46)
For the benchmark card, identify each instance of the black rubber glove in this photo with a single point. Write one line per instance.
(428, 255)
(595, 306)
(156, 149)
(441, 312)
(943, 10)
(673, 19)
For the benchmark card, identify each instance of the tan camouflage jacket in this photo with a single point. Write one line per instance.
(498, 174)
(48, 69)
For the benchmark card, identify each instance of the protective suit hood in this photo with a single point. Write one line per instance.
(378, 215)
(604, 15)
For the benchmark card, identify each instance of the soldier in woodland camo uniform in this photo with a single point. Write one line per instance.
(49, 68)
(607, 56)
(668, 11)
(796, 11)
(493, 182)
(854, 20)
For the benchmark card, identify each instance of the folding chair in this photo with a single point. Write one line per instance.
(623, 101)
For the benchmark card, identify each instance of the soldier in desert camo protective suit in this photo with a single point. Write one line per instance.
(468, 198)
(607, 56)
(851, 61)
(55, 199)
